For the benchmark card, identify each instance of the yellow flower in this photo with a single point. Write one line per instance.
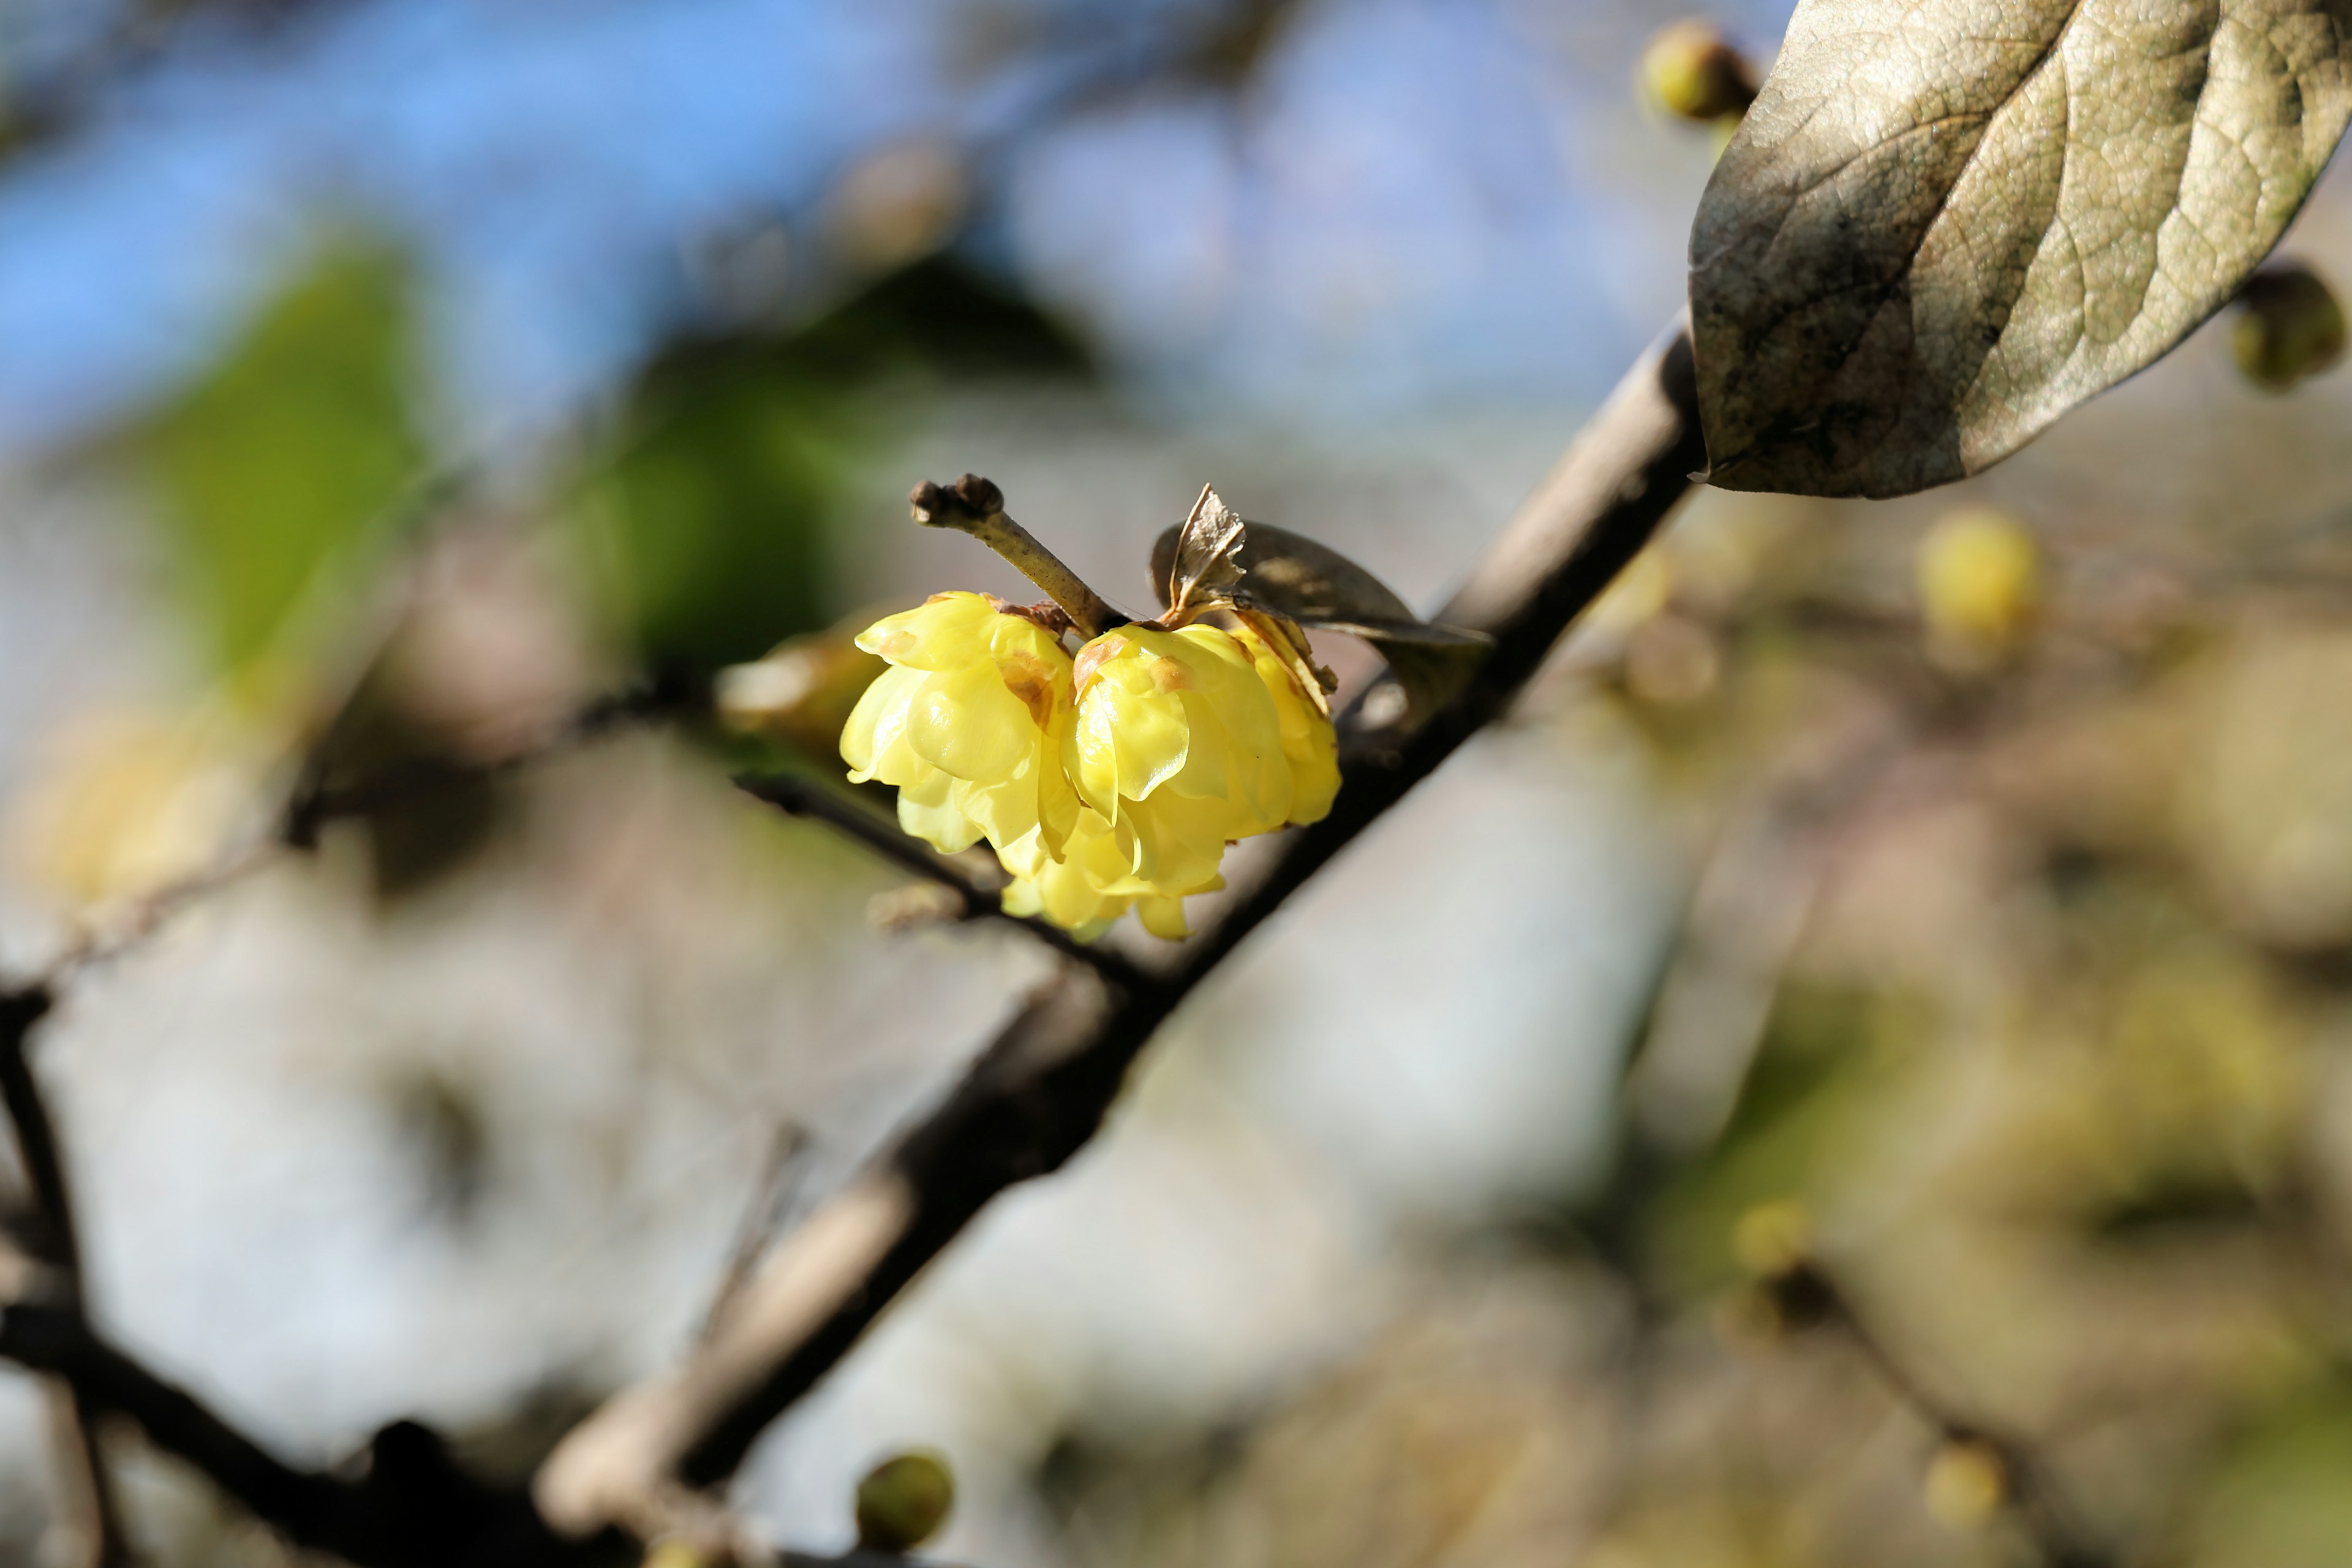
(966, 723)
(1071, 891)
(1108, 783)
(1183, 741)
(1308, 744)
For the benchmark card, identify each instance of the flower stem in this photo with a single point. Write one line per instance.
(976, 507)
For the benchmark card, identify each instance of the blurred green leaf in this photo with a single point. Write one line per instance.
(2279, 1500)
(1818, 1075)
(283, 457)
(707, 529)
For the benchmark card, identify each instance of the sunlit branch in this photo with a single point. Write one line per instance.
(1041, 1089)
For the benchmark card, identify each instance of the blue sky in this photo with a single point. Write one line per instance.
(1414, 203)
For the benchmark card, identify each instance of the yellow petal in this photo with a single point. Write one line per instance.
(963, 719)
(1163, 917)
(927, 808)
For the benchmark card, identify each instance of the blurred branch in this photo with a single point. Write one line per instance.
(40, 113)
(762, 1220)
(313, 802)
(796, 794)
(412, 1509)
(57, 1242)
(1811, 1294)
(1041, 1089)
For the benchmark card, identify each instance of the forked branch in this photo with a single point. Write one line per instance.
(1040, 1090)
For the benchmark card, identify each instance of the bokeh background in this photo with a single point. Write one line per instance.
(384, 382)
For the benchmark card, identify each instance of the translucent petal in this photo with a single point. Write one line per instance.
(1163, 917)
(1149, 736)
(889, 757)
(963, 719)
(927, 810)
(946, 632)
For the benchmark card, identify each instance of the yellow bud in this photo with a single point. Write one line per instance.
(1979, 586)
(1966, 1482)
(904, 1501)
(801, 692)
(2289, 326)
(1771, 1238)
(1690, 70)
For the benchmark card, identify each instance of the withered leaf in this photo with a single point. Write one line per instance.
(1945, 223)
(1203, 563)
(1315, 586)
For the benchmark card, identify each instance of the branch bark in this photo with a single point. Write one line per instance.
(1041, 1089)
(81, 1455)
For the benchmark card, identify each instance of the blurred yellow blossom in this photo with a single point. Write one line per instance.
(124, 802)
(1965, 1483)
(965, 725)
(1979, 586)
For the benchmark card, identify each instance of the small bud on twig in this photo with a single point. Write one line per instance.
(904, 1501)
(1692, 70)
(2289, 327)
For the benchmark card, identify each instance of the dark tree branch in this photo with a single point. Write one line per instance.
(1041, 1089)
(412, 1509)
(100, 1538)
(57, 1241)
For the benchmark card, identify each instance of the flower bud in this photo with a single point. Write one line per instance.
(1690, 70)
(1771, 1238)
(2289, 326)
(800, 692)
(1980, 586)
(1966, 1482)
(904, 1501)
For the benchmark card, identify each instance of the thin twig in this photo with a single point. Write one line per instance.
(1042, 1089)
(976, 507)
(763, 1217)
(796, 794)
(2026, 1488)
(412, 1509)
